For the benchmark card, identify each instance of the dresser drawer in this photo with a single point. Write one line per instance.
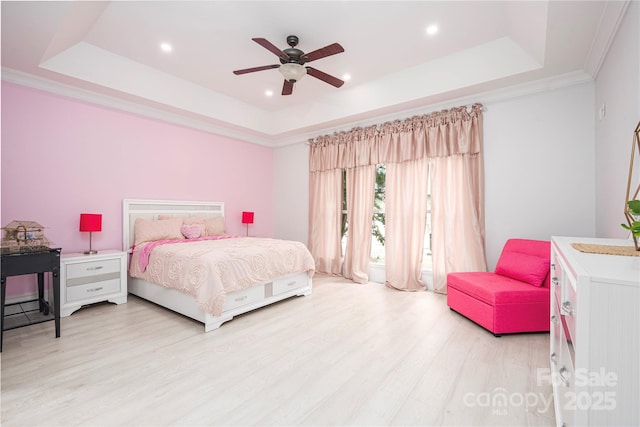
(290, 283)
(556, 333)
(557, 270)
(244, 297)
(569, 308)
(564, 381)
(93, 268)
(92, 290)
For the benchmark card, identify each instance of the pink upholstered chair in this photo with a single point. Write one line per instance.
(514, 298)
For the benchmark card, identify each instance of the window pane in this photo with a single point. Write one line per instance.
(377, 228)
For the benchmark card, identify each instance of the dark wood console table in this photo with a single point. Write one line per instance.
(32, 262)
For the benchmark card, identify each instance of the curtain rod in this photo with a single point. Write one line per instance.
(378, 126)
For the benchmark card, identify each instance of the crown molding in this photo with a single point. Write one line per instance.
(36, 82)
(486, 98)
(607, 28)
(511, 92)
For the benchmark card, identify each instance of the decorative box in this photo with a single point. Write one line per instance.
(23, 236)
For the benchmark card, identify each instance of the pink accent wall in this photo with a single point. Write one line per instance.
(62, 157)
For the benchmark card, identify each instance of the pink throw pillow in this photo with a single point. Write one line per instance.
(215, 226)
(526, 268)
(149, 231)
(191, 231)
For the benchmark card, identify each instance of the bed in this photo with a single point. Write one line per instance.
(237, 296)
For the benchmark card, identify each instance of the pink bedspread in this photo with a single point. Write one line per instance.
(145, 250)
(209, 269)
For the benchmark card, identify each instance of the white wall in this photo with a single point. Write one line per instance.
(617, 86)
(539, 167)
(291, 187)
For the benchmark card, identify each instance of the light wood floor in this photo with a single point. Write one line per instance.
(347, 355)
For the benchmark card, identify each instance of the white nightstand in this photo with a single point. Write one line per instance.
(86, 279)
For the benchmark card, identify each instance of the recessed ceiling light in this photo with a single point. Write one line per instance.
(432, 29)
(346, 77)
(166, 47)
(268, 93)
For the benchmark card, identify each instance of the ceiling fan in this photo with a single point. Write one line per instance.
(292, 62)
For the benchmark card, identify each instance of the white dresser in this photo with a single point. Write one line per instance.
(87, 279)
(595, 335)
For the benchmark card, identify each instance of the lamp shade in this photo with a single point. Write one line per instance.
(247, 217)
(90, 222)
(292, 72)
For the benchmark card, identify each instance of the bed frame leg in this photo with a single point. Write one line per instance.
(212, 322)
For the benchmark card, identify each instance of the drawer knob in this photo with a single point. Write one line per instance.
(99, 267)
(563, 373)
(242, 298)
(95, 289)
(567, 308)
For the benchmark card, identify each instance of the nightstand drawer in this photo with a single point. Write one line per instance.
(93, 289)
(93, 268)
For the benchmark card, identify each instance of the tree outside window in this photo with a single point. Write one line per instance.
(378, 220)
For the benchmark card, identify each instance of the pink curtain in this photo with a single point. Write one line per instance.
(406, 218)
(360, 184)
(452, 141)
(457, 217)
(325, 219)
(457, 201)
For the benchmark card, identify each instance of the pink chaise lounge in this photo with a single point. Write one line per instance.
(514, 298)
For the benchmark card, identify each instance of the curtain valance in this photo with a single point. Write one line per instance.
(439, 134)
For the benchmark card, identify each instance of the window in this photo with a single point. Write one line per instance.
(377, 228)
(378, 220)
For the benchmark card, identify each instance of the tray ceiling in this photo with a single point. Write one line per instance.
(112, 50)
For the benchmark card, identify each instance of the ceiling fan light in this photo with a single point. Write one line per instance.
(292, 72)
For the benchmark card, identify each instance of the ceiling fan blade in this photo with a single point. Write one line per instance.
(332, 49)
(254, 69)
(270, 47)
(327, 78)
(287, 88)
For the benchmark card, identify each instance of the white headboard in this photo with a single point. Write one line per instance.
(150, 209)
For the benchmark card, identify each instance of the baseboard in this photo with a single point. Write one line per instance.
(19, 298)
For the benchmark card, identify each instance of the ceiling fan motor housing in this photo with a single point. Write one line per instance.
(292, 41)
(295, 56)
